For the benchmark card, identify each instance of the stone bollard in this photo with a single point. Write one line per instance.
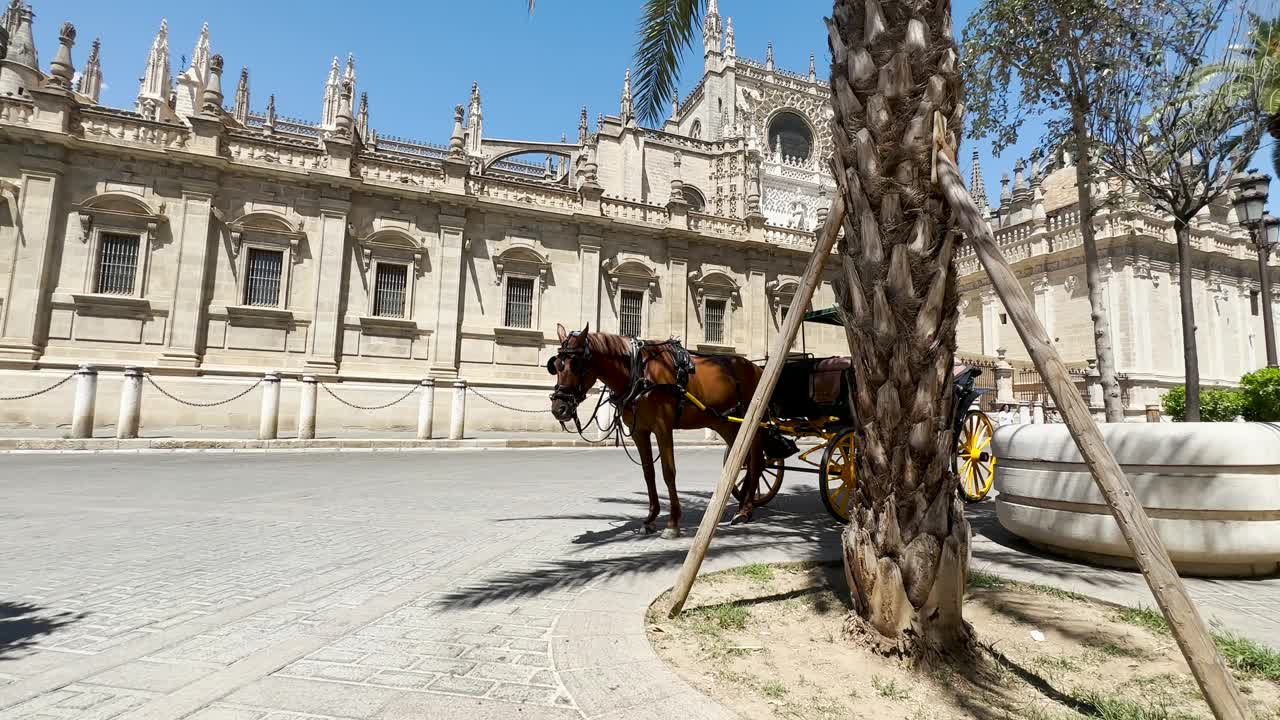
(1024, 412)
(269, 419)
(1004, 380)
(130, 419)
(427, 409)
(1153, 413)
(307, 408)
(1037, 412)
(86, 401)
(457, 419)
(604, 419)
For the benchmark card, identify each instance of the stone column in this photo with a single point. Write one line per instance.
(1004, 380)
(1037, 412)
(1024, 412)
(756, 301)
(188, 308)
(269, 419)
(590, 300)
(990, 322)
(1153, 413)
(449, 305)
(328, 255)
(130, 419)
(1042, 290)
(677, 298)
(458, 417)
(85, 403)
(30, 241)
(307, 408)
(426, 409)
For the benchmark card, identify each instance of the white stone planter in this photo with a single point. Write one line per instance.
(1212, 490)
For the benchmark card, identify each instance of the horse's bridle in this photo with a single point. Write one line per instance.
(579, 358)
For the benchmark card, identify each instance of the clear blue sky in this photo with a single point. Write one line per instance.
(417, 60)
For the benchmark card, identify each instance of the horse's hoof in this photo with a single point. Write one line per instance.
(650, 528)
(670, 533)
(740, 518)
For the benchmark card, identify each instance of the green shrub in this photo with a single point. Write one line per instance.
(1261, 395)
(1215, 405)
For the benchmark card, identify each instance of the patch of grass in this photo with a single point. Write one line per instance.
(774, 689)
(979, 580)
(758, 572)
(1144, 617)
(1114, 707)
(1055, 665)
(1248, 658)
(889, 688)
(1110, 649)
(725, 616)
(1058, 593)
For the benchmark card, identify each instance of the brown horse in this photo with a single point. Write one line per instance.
(644, 377)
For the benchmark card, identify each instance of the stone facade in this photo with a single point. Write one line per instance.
(208, 242)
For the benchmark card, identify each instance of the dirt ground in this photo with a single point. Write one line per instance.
(767, 641)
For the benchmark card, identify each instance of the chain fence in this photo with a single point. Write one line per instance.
(190, 403)
(383, 406)
(51, 388)
(504, 406)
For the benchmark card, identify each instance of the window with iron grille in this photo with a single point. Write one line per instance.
(629, 305)
(715, 321)
(519, 302)
(389, 290)
(117, 263)
(262, 277)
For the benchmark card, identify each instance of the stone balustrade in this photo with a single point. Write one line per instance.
(633, 210)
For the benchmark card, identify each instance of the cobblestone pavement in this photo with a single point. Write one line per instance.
(369, 586)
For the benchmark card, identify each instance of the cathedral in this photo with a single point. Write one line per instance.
(207, 242)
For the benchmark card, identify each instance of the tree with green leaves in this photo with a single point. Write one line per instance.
(1025, 58)
(1255, 63)
(1179, 136)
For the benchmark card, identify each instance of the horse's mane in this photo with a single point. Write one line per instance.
(609, 344)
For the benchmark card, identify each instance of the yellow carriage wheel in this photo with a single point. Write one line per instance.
(837, 480)
(770, 481)
(975, 460)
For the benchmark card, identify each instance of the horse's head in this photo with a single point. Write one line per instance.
(574, 374)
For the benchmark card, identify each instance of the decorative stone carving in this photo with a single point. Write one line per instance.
(631, 269)
(715, 281)
(1070, 284)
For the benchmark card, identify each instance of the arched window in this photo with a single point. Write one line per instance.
(790, 131)
(695, 132)
(693, 196)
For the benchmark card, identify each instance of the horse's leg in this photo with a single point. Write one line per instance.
(667, 450)
(645, 449)
(755, 466)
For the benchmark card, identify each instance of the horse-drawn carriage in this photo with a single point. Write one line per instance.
(811, 419)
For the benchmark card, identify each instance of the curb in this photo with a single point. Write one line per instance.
(149, 445)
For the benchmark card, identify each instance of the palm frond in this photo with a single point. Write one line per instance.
(531, 4)
(666, 30)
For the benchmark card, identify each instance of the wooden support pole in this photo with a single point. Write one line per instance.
(1170, 594)
(755, 411)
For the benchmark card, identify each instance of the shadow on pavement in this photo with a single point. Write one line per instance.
(23, 624)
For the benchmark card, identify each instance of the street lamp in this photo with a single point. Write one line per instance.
(1250, 202)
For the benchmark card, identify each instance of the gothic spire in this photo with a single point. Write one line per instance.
(456, 142)
(22, 46)
(362, 117)
(768, 57)
(241, 108)
(475, 121)
(625, 110)
(269, 122)
(711, 30)
(344, 122)
(813, 69)
(350, 73)
(583, 135)
(730, 47)
(976, 186)
(329, 113)
(90, 82)
(200, 55)
(61, 70)
(156, 82)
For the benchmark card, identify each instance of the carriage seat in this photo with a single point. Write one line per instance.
(824, 382)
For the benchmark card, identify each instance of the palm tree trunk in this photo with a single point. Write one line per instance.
(1097, 300)
(1191, 357)
(906, 548)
